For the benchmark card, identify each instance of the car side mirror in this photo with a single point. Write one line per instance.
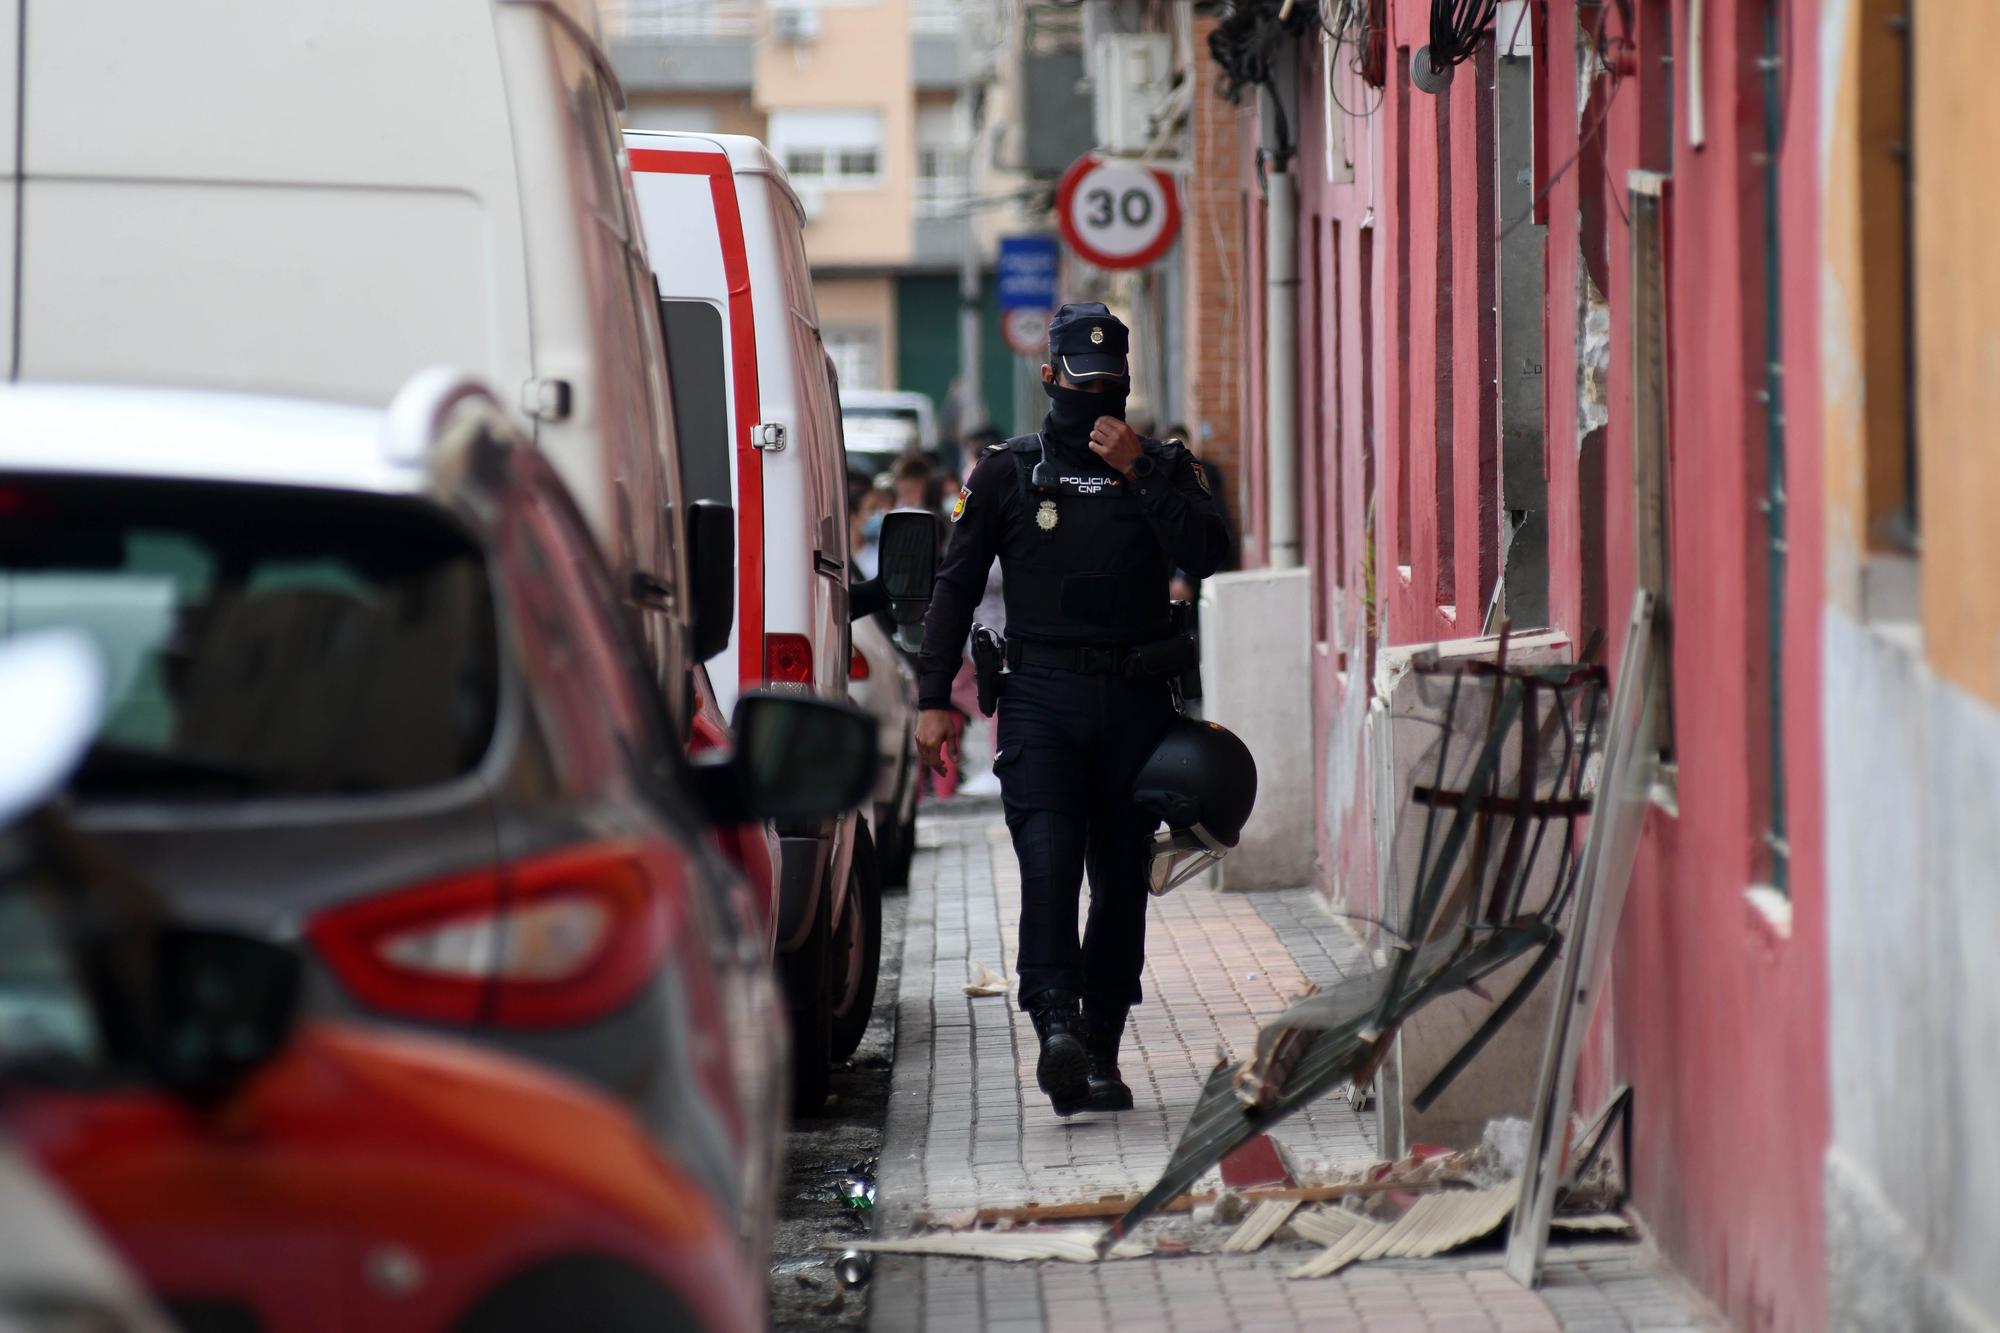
(224, 1005)
(711, 538)
(907, 563)
(796, 757)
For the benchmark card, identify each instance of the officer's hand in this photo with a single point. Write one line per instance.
(937, 735)
(1116, 443)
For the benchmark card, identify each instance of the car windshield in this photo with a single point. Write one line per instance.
(261, 641)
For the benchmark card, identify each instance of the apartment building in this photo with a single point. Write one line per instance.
(864, 102)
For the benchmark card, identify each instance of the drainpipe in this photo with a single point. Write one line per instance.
(1281, 400)
(1776, 836)
(972, 411)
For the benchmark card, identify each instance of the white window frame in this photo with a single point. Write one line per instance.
(830, 132)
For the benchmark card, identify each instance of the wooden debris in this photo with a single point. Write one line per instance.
(1601, 1224)
(1115, 1205)
(1434, 1224)
(1324, 1226)
(1260, 1226)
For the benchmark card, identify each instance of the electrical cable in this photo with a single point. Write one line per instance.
(1588, 140)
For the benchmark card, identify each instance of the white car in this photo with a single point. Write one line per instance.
(884, 424)
(882, 682)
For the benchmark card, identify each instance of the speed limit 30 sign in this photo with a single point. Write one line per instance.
(1115, 213)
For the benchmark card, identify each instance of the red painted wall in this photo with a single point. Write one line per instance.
(1718, 1014)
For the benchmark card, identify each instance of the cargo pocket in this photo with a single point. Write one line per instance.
(1039, 778)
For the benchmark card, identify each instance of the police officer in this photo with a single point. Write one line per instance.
(1088, 520)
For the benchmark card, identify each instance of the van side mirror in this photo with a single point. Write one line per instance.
(711, 538)
(796, 757)
(906, 575)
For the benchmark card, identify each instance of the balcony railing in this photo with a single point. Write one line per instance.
(680, 18)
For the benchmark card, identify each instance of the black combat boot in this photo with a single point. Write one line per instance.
(1103, 1030)
(1064, 1068)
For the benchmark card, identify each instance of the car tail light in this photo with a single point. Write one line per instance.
(548, 941)
(857, 666)
(788, 659)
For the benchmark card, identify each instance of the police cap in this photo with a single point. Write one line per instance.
(1088, 342)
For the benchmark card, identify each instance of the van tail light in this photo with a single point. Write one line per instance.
(857, 666)
(545, 942)
(788, 659)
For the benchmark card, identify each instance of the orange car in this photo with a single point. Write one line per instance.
(329, 1177)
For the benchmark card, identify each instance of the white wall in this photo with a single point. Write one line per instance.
(1912, 1178)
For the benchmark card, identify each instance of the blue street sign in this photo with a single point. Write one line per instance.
(1026, 272)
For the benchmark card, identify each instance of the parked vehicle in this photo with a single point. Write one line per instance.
(314, 1178)
(884, 424)
(329, 196)
(758, 417)
(883, 683)
(371, 686)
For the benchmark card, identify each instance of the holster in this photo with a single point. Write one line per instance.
(1177, 656)
(989, 658)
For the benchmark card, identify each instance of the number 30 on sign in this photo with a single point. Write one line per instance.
(1115, 213)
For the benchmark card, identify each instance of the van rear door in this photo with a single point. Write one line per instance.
(694, 234)
(10, 171)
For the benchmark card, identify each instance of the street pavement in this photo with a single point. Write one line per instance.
(967, 1127)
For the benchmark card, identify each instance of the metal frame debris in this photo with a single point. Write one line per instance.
(1508, 781)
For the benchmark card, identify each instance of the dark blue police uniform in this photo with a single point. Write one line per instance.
(1085, 556)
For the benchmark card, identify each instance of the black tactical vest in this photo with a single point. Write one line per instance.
(1078, 561)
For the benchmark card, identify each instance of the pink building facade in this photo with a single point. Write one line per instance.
(1649, 310)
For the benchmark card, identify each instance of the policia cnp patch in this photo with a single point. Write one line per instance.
(958, 505)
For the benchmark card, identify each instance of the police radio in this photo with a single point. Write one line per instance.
(1043, 475)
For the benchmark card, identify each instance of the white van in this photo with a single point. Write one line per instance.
(759, 417)
(321, 197)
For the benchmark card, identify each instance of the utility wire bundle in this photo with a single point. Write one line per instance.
(1457, 27)
(1248, 36)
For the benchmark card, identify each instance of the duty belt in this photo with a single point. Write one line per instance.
(1084, 659)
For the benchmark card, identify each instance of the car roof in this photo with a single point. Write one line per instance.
(197, 435)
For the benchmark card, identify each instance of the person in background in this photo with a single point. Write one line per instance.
(973, 764)
(879, 500)
(913, 482)
(974, 446)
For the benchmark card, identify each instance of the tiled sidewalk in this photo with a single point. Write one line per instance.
(967, 1126)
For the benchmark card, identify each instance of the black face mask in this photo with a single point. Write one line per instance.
(1072, 412)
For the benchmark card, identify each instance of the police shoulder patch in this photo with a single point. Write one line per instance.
(1199, 475)
(958, 505)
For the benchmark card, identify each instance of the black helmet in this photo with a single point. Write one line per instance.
(1202, 782)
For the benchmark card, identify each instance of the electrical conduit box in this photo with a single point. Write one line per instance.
(1131, 73)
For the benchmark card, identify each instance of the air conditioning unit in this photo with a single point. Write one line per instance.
(795, 20)
(1131, 74)
(812, 200)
